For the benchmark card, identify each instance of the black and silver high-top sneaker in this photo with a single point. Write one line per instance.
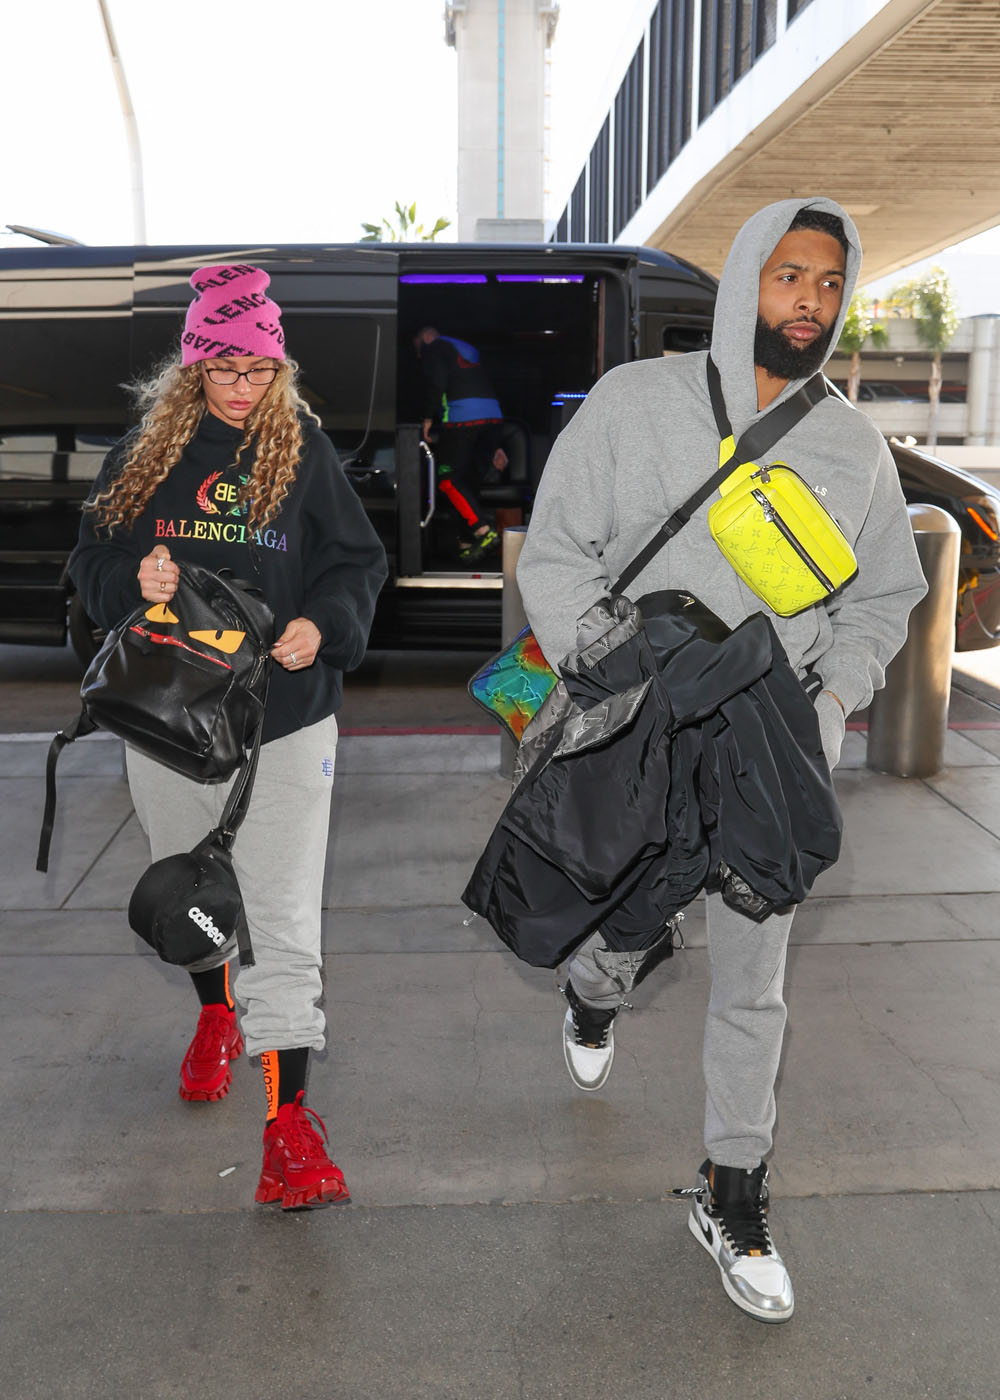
(588, 1041)
(729, 1217)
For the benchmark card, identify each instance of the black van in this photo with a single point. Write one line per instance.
(76, 323)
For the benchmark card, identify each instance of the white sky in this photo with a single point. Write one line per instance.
(283, 120)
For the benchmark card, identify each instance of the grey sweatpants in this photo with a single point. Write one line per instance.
(745, 1023)
(743, 1028)
(279, 855)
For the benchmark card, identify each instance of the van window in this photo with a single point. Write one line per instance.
(73, 365)
(47, 455)
(348, 368)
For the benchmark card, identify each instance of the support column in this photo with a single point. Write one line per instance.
(982, 387)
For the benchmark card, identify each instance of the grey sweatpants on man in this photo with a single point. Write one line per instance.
(279, 856)
(743, 1028)
(745, 1023)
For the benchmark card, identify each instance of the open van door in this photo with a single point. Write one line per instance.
(546, 322)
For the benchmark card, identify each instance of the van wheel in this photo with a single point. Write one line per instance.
(85, 636)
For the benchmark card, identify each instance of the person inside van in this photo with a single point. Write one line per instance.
(229, 469)
(460, 397)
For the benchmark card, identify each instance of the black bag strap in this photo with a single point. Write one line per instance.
(761, 436)
(235, 810)
(83, 724)
(757, 440)
(239, 794)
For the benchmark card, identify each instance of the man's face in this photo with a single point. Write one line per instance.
(801, 288)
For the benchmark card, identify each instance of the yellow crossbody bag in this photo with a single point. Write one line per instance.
(784, 544)
(768, 522)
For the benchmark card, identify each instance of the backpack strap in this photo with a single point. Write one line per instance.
(235, 810)
(82, 725)
(757, 440)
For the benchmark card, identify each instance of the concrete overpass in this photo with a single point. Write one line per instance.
(892, 107)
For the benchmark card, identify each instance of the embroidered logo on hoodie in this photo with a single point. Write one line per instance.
(215, 497)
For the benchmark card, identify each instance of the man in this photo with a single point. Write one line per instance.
(643, 442)
(460, 395)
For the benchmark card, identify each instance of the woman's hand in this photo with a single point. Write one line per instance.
(158, 576)
(297, 646)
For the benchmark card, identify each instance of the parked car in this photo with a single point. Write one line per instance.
(886, 391)
(890, 391)
(976, 507)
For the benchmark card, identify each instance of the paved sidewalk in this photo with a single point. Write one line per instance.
(509, 1237)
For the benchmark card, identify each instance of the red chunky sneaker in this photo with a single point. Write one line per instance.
(205, 1073)
(296, 1168)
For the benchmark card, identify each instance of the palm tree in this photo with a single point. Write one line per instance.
(930, 301)
(406, 229)
(860, 326)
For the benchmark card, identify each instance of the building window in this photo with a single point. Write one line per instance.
(578, 211)
(766, 26)
(628, 143)
(562, 228)
(734, 34)
(796, 7)
(743, 55)
(598, 228)
(716, 20)
(671, 34)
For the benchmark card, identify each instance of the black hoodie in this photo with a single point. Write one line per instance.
(320, 557)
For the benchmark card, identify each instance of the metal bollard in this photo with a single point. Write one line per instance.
(908, 718)
(513, 621)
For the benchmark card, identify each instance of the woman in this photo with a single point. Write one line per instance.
(229, 469)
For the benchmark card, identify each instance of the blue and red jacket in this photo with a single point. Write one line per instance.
(458, 388)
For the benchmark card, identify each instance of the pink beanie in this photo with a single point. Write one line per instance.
(231, 315)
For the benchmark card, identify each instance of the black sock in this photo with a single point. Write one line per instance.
(213, 987)
(284, 1077)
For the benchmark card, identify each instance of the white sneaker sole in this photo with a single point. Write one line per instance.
(708, 1237)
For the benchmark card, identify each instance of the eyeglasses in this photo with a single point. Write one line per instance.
(261, 374)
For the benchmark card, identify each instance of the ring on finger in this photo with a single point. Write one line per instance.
(159, 563)
(291, 657)
(163, 586)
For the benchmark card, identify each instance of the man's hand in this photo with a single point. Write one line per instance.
(297, 646)
(500, 459)
(832, 724)
(426, 435)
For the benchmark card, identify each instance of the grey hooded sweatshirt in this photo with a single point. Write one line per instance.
(645, 439)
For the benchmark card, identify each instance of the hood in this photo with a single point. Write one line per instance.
(736, 303)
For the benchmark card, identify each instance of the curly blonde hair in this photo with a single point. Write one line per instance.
(172, 404)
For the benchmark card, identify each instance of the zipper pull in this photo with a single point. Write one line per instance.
(766, 507)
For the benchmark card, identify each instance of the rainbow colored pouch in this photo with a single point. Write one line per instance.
(514, 684)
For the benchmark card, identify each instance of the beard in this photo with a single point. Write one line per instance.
(781, 358)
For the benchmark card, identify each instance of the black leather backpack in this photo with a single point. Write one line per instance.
(184, 682)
